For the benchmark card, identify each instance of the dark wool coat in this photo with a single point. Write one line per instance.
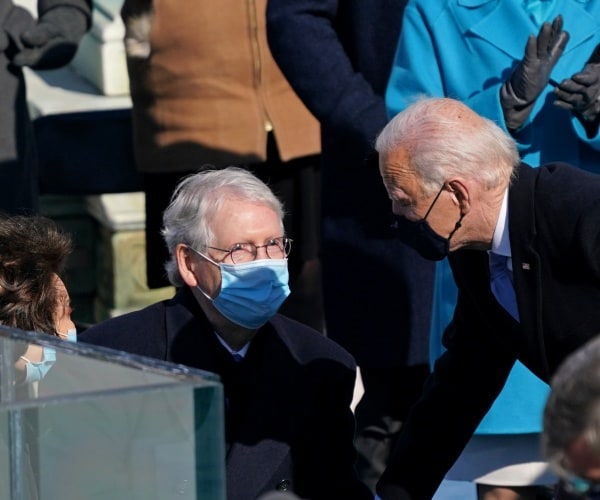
(288, 418)
(554, 230)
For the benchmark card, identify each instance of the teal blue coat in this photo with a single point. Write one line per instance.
(466, 49)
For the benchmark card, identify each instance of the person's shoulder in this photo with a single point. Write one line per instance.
(108, 332)
(562, 175)
(558, 192)
(309, 343)
(562, 168)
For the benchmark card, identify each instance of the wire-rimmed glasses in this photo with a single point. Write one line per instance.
(276, 248)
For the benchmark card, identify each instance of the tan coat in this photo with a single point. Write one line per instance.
(205, 87)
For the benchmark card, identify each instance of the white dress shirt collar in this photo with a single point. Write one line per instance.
(242, 352)
(500, 240)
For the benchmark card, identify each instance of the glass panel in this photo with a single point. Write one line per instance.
(108, 425)
(4, 457)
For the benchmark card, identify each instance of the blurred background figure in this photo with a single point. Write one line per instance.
(503, 61)
(46, 43)
(206, 91)
(337, 56)
(571, 435)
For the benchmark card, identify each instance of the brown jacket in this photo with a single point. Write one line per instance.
(205, 87)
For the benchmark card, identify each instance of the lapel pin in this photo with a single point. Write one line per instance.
(525, 266)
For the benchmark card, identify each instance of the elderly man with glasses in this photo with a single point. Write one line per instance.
(288, 389)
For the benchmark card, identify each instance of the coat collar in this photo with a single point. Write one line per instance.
(189, 335)
(527, 262)
(261, 443)
(501, 13)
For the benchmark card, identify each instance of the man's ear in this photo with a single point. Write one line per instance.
(461, 193)
(186, 264)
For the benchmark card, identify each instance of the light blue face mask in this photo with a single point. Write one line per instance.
(37, 371)
(70, 336)
(252, 292)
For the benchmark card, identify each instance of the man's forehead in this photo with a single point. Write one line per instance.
(395, 168)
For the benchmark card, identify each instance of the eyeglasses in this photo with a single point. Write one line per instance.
(581, 487)
(276, 248)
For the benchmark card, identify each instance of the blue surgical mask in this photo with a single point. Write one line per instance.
(252, 292)
(37, 371)
(70, 336)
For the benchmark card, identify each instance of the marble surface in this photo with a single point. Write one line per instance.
(64, 91)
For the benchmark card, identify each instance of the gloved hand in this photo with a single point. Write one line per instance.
(580, 94)
(16, 22)
(531, 75)
(53, 41)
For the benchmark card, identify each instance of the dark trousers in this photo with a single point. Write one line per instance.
(389, 394)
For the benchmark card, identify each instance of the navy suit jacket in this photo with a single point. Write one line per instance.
(288, 418)
(337, 55)
(554, 230)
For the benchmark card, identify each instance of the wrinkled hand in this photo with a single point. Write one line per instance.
(53, 41)
(580, 94)
(532, 74)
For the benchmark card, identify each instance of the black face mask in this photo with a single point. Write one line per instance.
(419, 235)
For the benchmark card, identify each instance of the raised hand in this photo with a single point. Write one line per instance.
(532, 74)
(580, 94)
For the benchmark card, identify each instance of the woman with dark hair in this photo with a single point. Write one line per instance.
(33, 295)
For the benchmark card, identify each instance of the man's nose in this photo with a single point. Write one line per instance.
(261, 252)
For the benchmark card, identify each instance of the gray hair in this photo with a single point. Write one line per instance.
(195, 201)
(442, 142)
(573, 406)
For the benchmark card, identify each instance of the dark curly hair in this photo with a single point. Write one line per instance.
(33, 250)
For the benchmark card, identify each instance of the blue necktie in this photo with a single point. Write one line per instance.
(501, 284)
(237, 357)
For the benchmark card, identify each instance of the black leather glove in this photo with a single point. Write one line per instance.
(580, 94)
(53, 41)
(532, 74)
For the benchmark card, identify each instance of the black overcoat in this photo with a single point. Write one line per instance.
(288, 417)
